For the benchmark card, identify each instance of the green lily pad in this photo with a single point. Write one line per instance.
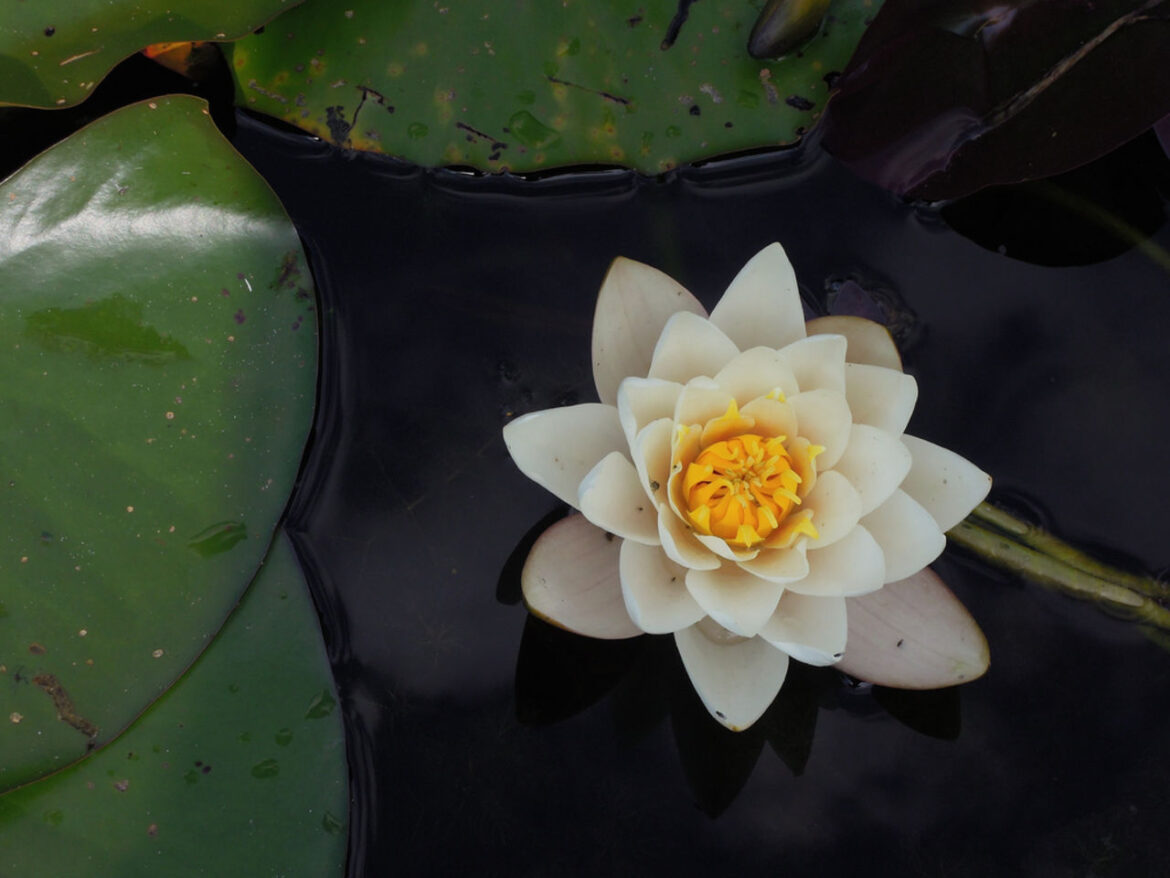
(232, 772)
(157, 375)
(53, 52)
(538, 86)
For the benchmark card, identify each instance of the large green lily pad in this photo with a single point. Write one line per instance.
(540, 85)
(238, 770)
(53, 52)
(157, 374)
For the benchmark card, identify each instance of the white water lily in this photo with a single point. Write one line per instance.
(746, 485)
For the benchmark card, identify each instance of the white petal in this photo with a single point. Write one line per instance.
(700, 401)
(612, 497)
(823, 418)
(836, 508)
(642, 400)
(655, 590)
(651, 450)
(632, 308)
(875, 463)
(947, 485)
(762, 305)
(738, 601)
(679, 542)
(571, 580)
(869, 342)
(772, 417)
(556, 448)
(909, 537)
(818, 362)
(757, 372)
(780, 565)
(719, 546)
(690, 346)
(913, 634)
(736, 681)
(880, 397)
(851, 566)
(810, 629)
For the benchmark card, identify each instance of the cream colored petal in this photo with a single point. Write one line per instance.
(700, 401)
(823, 418)
(642, 400)
(571, 580)
(762, 305)
(556, 448)
(780, 565)
(757, 372)
(910, 538)
(738, 601)
(810, 629)
(875, 463)
(772, 417)
(947, 485)
(651, 451)
(720, 547)
(880, 397)
(818, 362)
(869, 342)
(633, 306)
(736, 681)
(851, 566)
(690, 346)
(612, 497)
(913, 634)
(836, 508)
(679, 543)
(655, 590)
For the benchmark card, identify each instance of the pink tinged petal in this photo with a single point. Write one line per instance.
(571, 580)
(851, 566)
(651, 450)
(836, 508)
(947, 485)
(701, 400)
(679, 542)
(643, 400)
(780, 565)
(690, 346)
(736, 681)
(880, 397)
(869, 342)
(810, 629)
(818, 362)
(633, 306)
(772, 417)
(655, 591)
(612, 497)
(557, 448)
(757, 372)
(910, 538)
(823, 418)
(875, 463)
(762, 305)
(720, 547)
(913, 634)
(738, 601)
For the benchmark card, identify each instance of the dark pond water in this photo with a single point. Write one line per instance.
(483, 744)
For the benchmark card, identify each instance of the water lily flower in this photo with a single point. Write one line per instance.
(746, 485)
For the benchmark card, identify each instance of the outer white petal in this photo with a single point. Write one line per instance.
(571, 580)
(875, 462)
(851, 566)
(690, 346)
(651, 451)
(948, 486)
(818, 362)
(757, 372)
(810, 629)
(736, 681)
(655, 590)
(556, 448)
(913, 634)
(642, 400)
(880, 397)
(762, 305)
(680, 544)
(780, 565)
(836, 508)
(823, 418)
(869, 342)
(632, 308)
(734, 598)
(612, 497)
(910, 538)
